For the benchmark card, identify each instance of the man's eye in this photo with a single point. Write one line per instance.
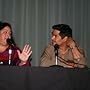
(55, 35)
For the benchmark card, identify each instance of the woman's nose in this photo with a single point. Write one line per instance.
(8, 36)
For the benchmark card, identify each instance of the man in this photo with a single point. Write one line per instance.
(69, 53)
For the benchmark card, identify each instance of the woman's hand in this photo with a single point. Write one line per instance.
(26, 52)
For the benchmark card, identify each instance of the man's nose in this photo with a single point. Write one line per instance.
(53, 37)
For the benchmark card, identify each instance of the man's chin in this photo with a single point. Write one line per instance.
(53, 43)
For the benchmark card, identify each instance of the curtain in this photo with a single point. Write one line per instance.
(32, 20)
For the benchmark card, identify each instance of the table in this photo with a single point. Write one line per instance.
(44, 78)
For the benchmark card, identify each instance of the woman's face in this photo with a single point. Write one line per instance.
(5, 33)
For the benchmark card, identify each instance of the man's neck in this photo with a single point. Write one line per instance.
(63, 48)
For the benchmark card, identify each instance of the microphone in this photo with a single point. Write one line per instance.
(9, 41)
(56, 47)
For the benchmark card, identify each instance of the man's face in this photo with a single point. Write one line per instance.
(56, 38)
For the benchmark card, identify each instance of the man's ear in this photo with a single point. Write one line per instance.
(65, 38)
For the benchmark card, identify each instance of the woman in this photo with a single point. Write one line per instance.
(10, 54)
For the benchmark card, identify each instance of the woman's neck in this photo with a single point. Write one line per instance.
(3, 47)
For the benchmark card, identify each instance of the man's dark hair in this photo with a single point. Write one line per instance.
(64, 29)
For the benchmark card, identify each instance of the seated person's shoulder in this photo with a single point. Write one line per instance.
(49, 46)
(15, 48)
(81, 50)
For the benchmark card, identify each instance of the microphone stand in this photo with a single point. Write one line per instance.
(9, 41)
(56, 47)
(56, 57)
(10, 52)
